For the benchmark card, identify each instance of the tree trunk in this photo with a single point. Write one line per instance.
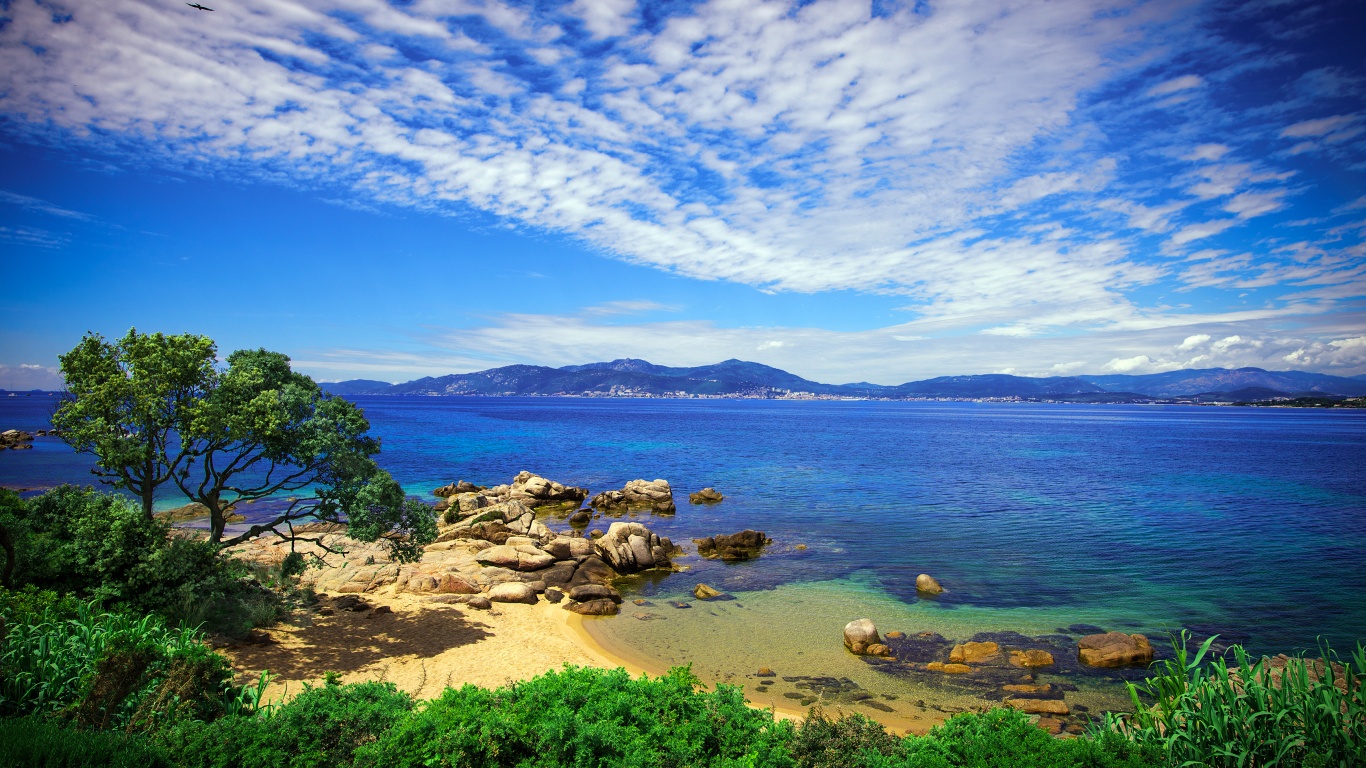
(216, 519)
(148, 487)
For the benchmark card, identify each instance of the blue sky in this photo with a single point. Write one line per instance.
(845, 190)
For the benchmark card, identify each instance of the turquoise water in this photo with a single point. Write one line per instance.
(1246, 522)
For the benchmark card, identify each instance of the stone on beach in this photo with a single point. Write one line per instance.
(1114, 649)
(926, 584)
(594, 608)
(586, 592)
(859, 634)
(512, 592)
(1039, 706)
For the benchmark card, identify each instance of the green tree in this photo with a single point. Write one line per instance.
(124, 401)
(156, 408)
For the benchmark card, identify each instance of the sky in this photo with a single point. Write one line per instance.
(849, 191)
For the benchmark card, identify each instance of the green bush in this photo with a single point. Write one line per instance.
(101, 546)
(1240, 714)
(40, 743)
(821, 742)
(321, 727)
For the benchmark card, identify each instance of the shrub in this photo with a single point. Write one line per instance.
(1245, 714)
(33, 741)
(321, 727)
(821, 742)
(585, 717)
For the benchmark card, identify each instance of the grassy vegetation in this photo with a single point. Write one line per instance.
(1249, 712)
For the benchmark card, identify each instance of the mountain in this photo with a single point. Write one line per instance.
(731, 378)
(1192, 382)
(354, 387)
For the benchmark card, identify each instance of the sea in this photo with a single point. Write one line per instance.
(1248, 523)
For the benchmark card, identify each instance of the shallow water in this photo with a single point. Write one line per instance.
(1247, 522)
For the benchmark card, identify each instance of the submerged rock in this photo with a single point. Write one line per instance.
(706, 592)
(1114, 649)
(974, 653)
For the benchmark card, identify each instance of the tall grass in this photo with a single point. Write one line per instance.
(54, 662)
(1246, 714)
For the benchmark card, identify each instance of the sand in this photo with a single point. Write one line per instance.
(421, 647)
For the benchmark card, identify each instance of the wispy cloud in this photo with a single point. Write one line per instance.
(978, 158)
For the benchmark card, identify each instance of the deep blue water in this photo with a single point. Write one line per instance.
(1251, 522)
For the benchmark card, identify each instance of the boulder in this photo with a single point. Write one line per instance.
(705, 592)
(594, 608)
(655, 494)
(455, 584)
(705, 496)
(553, 595)
(469, 503)
(585, 592)
(926, 584)
(512, 592)
(569, 547)
(479, 602)
(878, 649)
(538, 490)
(456, 488)
(632, 547)
(948, 669)
(859, 634)
(592, 570)
(1114, 649)
(744, 545)
(1039, 706)
(1031, 659)
(581, 518)
(974, 653)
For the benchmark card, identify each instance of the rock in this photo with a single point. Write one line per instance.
(1031, 659)
(523, 557)
(553, 595)
(974, 653)
(744, 545)
(593, 608)
(878, 649)
(382, 609)
(592, 570)
(447, 491)
(595, 533)
(454, 584)
(656, 494)
(895, 634)
(679, 604)
(581, 517)
(704, 592)
(1050, 725)
(479, 602)
(1039, 706)
(926, 584)
(800, 547)
(469, 503)
(569, 547)
(765, 672)
(859, 634)
(512, 592)
(350, 603)
(948, 669)
(631, 547)
(586, 592)
(705, 496)
(1114, 649)
(539, 491)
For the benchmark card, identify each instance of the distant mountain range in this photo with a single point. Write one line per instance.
(738, 378)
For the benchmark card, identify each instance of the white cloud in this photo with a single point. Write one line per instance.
(1192, 342)
(605, 18)
(1208, 152)
(1182, 83)
(1318, 127)
(26, 376)
(629, 307)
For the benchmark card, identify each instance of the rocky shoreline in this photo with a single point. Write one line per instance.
(495, 547)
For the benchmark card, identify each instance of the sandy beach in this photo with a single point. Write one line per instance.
(422, 647)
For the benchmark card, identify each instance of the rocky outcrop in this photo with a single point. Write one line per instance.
(926, 584)
(744, 545)
(593, 600)
(638, 494)
(1114, 649)
(15, 440)
(537, 491)
(524, 557)
(859, 634)
(456, 488)
(706, 496)
(631, 547)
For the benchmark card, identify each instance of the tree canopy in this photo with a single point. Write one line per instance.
(155, 408)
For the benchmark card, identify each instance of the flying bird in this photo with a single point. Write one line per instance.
(200, 7)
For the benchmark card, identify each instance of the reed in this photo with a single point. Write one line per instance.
(1237, 711)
